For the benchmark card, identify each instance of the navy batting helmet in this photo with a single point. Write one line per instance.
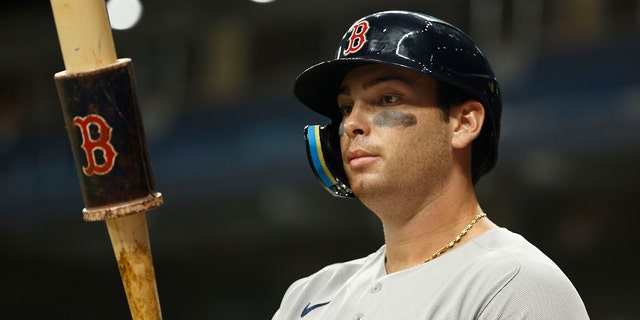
(409, 40)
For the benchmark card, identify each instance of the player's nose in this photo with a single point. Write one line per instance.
(357, 122)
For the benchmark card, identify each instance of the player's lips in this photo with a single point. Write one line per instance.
(360, 158)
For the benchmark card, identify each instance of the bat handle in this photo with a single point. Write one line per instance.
(130, 240)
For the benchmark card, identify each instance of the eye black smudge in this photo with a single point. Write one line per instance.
(393, 118)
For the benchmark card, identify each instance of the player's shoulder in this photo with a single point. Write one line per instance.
(518, 265)
(336, 273)
(524, 277)
(514, 251)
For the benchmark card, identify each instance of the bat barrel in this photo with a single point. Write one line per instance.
(84, 34)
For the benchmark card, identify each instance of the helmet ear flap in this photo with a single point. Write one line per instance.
(325, 159)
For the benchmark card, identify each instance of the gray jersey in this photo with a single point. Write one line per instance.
(497, 275)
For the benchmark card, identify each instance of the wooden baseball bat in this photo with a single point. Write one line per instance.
(87, 48)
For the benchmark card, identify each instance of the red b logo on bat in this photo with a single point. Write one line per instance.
(357, 39)
(96, 136)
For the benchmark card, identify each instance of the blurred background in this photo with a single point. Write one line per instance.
(243, 214)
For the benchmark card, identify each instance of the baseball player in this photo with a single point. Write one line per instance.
(415, 117)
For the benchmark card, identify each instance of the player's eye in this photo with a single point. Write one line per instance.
(388, 99)
(346, 110)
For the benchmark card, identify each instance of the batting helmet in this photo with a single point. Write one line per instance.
(409, 40)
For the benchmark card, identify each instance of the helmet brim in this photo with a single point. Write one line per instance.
(318, 86)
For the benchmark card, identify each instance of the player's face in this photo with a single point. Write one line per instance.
(393, 136)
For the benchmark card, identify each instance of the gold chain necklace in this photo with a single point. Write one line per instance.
(456, 239)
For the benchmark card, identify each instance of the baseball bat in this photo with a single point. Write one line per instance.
(97, 94)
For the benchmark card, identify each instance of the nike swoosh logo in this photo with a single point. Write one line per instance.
(310, 308)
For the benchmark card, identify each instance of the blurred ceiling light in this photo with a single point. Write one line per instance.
(262, 1)
(124, 14)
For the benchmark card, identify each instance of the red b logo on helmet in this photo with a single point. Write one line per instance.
(358, 38)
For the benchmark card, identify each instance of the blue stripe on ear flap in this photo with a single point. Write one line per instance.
(317, 156)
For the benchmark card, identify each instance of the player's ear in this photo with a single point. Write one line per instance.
(466, 121)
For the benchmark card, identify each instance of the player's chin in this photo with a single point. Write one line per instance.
(365, 185)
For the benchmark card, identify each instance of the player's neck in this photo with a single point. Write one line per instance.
(412, 237)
